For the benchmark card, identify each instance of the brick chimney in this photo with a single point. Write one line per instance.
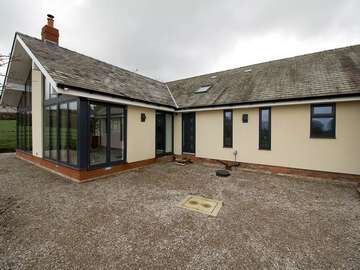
(48, 32)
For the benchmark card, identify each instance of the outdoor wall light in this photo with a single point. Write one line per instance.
(143, 117)
(245, 118)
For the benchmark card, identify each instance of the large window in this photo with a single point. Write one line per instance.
(60, 132)
(117, 144)
(98, 134)
(68, 133)
(24, 119)
(228, 128)
(265, 129)
(107, 134)
(53, 132)
(323, 121)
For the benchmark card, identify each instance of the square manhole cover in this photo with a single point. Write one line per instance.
(203, 205)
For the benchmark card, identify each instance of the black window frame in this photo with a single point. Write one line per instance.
(314, 135)
(108, 162)
(57, 101)
(264, 145)
(230, 145)
(24, 118)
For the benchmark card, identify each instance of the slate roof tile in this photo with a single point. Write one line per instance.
(74, 69)
(327, 73)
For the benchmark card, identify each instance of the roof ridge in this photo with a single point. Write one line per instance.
(266, 62)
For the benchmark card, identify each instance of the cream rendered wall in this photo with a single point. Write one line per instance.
(177, 134)
(140, 135)
(291, 145)
(37, 115)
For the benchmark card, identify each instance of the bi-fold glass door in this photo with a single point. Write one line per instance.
(107, 134)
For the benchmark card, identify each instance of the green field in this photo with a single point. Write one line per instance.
(7, 135)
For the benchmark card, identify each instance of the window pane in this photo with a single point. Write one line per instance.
(228, 130)
(47, 92)
(73, 114)
(63, 132)
(47, 132)
(323, 127)
(29, 132)
(117, 133)
(53, 93)
(323, 109)
(265, 129)
(20, 128)
(53, 132)
(169, 135)
(98, 135)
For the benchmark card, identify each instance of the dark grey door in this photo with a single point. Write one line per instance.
(160, 133)
(188, 133)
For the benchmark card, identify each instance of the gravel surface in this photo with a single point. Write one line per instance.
(130, 220)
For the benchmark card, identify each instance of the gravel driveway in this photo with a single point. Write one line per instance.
(130, 221)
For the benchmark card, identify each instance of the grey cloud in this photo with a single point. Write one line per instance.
(173, 39)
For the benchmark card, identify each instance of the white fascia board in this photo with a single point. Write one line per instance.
(96, 96)
(273, 104)
(37, 63)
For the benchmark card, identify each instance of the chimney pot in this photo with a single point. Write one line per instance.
(49, 32)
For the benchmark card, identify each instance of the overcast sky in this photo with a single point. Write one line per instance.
(168, 39)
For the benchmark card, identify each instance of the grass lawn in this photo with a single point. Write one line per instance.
(7, 135)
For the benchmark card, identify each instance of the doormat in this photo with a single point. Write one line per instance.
(203, 205)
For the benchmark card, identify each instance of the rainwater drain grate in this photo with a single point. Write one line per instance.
(203, 205)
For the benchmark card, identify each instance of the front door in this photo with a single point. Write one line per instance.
(188, 133)
(164, 133)
(160, 133)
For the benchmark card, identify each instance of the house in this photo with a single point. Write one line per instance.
(84, 118)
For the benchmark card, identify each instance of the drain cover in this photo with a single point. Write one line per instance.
(222, 173)
(203, 205)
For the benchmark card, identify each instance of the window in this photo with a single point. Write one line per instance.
(47, 132)
(323, 121)
(228, 128)
(265, 129)
(73, 133)
(63, 132)
(98, 134)
(53, 131)
(117, 143)
(107, 134)
(49, 92)
(24, 119)
(203, 89)
(60, 132)
(68, 132)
